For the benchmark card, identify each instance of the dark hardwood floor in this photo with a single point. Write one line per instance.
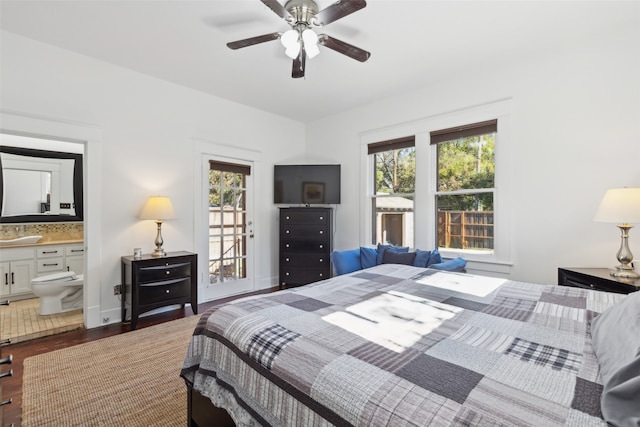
(12, 386)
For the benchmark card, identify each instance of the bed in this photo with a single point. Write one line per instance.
(400, 345)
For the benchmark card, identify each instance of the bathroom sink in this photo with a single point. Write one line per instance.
(26, 240)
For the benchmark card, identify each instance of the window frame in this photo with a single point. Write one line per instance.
(451, 134)
(424, 201)
(380, 147)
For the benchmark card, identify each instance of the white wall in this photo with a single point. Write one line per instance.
(150, 132)
(575, 132)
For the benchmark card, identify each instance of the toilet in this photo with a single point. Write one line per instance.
(58, 292)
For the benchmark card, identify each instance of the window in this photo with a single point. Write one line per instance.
(392, 201)
(227, 221)
(465, 187)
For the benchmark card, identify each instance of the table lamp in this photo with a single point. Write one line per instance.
(622, 206)
(158, 208)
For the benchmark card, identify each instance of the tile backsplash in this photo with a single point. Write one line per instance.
(50, 231)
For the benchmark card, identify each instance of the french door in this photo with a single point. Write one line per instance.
(230, 231)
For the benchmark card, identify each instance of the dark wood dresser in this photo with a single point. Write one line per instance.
(154, 282)
(306, 241)
(5, 359)
(596, 278)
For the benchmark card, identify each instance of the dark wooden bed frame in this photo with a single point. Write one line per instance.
(202, 413)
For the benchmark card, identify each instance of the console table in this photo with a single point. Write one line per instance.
(596, 278)
(153, 282)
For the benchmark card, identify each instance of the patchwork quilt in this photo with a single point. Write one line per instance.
(397, 345)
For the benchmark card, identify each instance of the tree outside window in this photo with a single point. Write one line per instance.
(465, 193)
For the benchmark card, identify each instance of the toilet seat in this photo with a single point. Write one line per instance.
(63, 276)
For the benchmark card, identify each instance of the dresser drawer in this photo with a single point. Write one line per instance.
(305, 260)
(313, 246)
(50, 264)
(164, 272)
(50, 251)
(303, 216)
(301, 276)
(303, 231)
(74, 250)
(153, 293)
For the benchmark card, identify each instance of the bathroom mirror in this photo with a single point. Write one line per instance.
(40, 186)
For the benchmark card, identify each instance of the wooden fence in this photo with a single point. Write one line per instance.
(465, 229)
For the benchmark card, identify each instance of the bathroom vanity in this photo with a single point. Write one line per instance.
(19, 265)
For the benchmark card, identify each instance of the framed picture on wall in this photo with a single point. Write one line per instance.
(312, 192)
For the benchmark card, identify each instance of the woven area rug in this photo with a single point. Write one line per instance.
(132, 379)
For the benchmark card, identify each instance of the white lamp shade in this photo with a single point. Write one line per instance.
(158, 208)
(619, 205)
(290, 40)
(310, 40)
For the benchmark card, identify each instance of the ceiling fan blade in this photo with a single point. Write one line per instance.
(298, 64)
(344, 48)
(338, 10)
(278, 9)
(253, 40)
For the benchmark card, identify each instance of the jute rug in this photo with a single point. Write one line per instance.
(132, 379)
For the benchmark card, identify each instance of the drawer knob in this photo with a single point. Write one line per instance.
(321, 231)
(321, 274)
(6, 402)
(321, 217)
(167, 290)
(321, 259)
(287, 245)
(287, 231)
(286, 274)
(6, 374)
(592, 285)
(287, 259)
(321, 246)
(286, 217)
(6, 360)
(167, 272)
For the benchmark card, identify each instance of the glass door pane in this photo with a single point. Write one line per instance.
(227, 225)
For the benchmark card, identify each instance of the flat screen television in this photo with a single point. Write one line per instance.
(306, 184)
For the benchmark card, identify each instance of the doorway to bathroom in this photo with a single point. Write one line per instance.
(50, 214)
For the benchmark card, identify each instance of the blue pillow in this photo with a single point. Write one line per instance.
(456, 264)
(434, 258)
(422, 258)
(345, 261)
(382, 248)
(368, 257)
(397, 257)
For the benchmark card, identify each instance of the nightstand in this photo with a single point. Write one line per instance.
(153, 282)
(598, 279)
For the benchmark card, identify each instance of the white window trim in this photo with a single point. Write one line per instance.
(424, 202)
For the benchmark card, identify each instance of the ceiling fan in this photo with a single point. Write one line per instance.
(301, 41)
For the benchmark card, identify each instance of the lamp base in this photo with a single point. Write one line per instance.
(159, 252)
(625, 272)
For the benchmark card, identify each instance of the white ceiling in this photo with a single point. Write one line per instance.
(412, 43)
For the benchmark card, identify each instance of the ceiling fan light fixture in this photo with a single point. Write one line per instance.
(291, 41)
(310, 40)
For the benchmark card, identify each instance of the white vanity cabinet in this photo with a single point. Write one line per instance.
(55, 258)
(18, 266)
(49, 259)
(74, 258)
(17, 269)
